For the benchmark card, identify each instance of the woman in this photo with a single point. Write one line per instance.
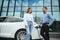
(28, 20)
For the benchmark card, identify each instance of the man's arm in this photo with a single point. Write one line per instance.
(41, 21)
(51, 19)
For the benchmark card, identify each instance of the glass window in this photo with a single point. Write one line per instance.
(11, 9)
(39, 3)
(3, 14)
(0, 2)
(13, 19)
(33, 13)
(39, 8)
(18, 9)
(39, 15)
(17, 14)
(24, 2)
(32, 3)
(56, 16)
(47, 2)
(4, 9)
(10, 13)
(54, 2)
(24, 12)
(49, 9)
(33, 8)
(12, 2)
(0, 8)
(24, 8)
(18, 2)
(56, 9)
(5, 4)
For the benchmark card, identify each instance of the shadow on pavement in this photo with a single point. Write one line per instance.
(6, 39)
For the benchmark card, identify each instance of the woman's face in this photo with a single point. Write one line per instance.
(30, 11)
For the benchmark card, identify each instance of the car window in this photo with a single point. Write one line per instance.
(2, 19)
(13, 20)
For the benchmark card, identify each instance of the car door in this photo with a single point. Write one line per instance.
(0, 25)
(10, 26)
(7, 28)
(1, 22)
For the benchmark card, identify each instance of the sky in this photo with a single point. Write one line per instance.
(32, 3)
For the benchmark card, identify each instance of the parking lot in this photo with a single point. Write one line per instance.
(54, 36)
(13, 39)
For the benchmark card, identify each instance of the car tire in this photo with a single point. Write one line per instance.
(20, 35)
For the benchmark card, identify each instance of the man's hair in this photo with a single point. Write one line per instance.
(45, 7)
(28, 10)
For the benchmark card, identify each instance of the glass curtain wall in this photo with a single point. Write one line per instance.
(19, 7)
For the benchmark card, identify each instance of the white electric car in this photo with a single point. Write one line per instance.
(13, 27)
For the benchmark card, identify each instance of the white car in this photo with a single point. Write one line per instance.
(13, 27)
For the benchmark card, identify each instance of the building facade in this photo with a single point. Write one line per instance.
(19, 7)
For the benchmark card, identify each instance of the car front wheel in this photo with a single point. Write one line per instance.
(20, 35)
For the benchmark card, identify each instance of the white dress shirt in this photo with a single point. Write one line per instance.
(28, 17)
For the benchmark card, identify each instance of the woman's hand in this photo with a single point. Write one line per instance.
(26, 26)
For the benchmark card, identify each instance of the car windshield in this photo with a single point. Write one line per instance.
(13, 20)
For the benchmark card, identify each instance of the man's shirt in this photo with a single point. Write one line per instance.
(47, 18)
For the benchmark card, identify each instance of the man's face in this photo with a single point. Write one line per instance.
(44, 10)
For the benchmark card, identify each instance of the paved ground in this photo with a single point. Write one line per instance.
(54, 38)
(12, 39)
(5, 39)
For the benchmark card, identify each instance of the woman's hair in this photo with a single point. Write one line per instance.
(28, 10)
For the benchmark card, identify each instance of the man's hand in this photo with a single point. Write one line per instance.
(26, 26)
(48, 25)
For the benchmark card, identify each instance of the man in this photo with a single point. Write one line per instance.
(46, 21)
